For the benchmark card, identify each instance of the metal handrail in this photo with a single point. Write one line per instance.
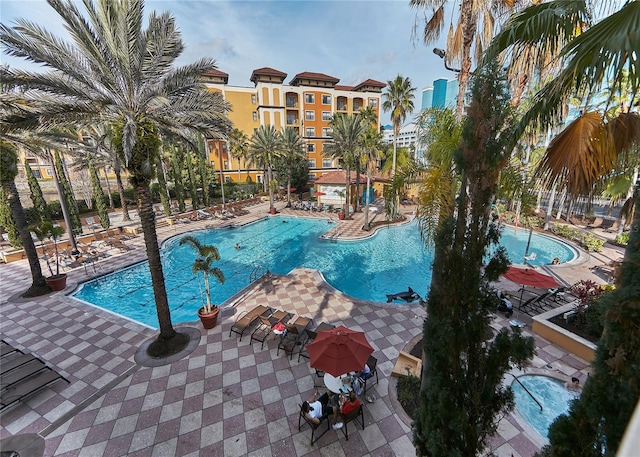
(526, 390)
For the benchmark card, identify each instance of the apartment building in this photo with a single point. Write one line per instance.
(307, 103)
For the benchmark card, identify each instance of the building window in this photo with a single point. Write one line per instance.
(326, 131)
(312, 163)
(255, 115)
(326, 99)
(254, 99)
(311, 147)
(326, 115)
(373, 102)
(310, 131)
(310, 115)
(327, 163)
(309, 98)
(36, 173)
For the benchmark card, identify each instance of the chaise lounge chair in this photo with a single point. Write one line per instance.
(247, 319)
(22, 375)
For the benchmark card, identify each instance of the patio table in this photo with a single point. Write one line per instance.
(335, 384)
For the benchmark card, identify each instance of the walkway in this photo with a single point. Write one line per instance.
(227, 398)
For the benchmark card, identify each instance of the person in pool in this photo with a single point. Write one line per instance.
(574, 384)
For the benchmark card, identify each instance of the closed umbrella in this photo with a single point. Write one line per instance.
(339, 351)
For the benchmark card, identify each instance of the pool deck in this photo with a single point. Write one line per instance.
(226, 398)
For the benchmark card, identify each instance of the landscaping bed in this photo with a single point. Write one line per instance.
(408, 387)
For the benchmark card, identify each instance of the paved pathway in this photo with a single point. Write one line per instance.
(227, 397)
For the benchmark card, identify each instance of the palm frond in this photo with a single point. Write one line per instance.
(582, 152)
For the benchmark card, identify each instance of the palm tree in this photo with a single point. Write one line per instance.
(114, 70)
(586, 150)
(398, 99)
(346, 140)
(8, 173)
(207, 254)
(263, 149)
(292, 150)
(442, 134)
(477, 20)
(238, 146)
(371, 146)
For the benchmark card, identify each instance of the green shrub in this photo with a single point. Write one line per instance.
(623, 238)
(409, 393)
(591, 242)
(564, 230)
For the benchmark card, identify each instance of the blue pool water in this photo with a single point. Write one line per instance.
(388, 262)
(551, 393)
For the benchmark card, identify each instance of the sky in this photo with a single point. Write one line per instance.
(352, 40)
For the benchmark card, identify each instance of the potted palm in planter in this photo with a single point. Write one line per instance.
(207, 255)
(42, 231)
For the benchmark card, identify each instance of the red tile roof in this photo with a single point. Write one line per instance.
(268, 71)
(338, 177)
(370, 82)
(214, 72)
(316, 76)
(338, 87)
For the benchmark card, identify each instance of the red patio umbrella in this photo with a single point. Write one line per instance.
(529, 277)
(319, 194)
(339, 351)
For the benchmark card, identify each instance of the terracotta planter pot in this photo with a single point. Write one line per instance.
(209, 320)
(57, 282)
(272, 210)
(341, 216)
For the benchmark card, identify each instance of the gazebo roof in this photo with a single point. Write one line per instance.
(338, 177)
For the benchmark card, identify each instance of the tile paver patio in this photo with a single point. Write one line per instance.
(226, 398)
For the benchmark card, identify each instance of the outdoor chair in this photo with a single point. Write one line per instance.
(314, 427)
(265, 325)
(356, 415)
(597, 222)
(309, 336)
(293, 337)
(22, 375)
(372, 363)
(248, 319)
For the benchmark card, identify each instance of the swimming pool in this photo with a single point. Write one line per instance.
(388, 262)
(551, 393)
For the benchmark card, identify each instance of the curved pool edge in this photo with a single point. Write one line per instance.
(580, 255)
(338, 292)
(527, 428)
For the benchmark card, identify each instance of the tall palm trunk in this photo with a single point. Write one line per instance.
(148, 222)
(38, 285)
(106, 179)
(469, 26)
(63, 203)
(366, 203)
(347, 185)
(270, 179)
(117, 170)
